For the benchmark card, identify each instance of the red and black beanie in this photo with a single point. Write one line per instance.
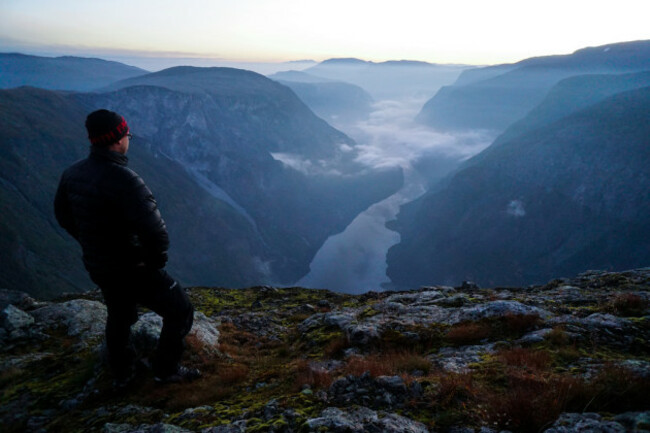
(105, 127)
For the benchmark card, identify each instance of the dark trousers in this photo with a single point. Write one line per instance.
(154, 289)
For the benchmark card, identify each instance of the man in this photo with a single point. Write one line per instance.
(110, 211)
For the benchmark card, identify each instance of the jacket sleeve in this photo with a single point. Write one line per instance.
(62, 210)
(141, 210)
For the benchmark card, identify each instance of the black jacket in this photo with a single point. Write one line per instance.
(108, 208)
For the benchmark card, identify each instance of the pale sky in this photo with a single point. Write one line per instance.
(453, 31)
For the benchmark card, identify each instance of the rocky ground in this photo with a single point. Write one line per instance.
(572, 355)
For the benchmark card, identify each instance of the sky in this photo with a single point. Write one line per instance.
(475, 32)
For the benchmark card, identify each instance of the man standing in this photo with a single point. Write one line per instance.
(110, 211)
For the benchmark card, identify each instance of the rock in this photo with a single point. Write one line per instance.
(570, 295)
(457, 360)
(15, 322)
(362, 420)
(425, 297)
(495, 309)
(324, 303)
(20, 300)
(257, 323)
(143, 428)
(534, 337)
(634, 421)
(602, 320)
(453, 301)
(83, 318)
(362, 335)
(469, 285)
(584, 422)
(204, 335)
(382, 392)
(233, 427)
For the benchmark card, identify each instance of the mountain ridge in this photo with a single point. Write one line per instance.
(568, 196)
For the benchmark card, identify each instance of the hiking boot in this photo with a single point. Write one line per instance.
(123, 382)
(183, 374)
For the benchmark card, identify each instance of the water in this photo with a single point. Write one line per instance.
(354, 261)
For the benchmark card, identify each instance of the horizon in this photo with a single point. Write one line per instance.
(467, 32)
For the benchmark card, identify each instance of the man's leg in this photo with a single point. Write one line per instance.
(122, 313)
(163, 295)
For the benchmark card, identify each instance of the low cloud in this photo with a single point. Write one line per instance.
(516, 209)
(390, 137)
(304, 165)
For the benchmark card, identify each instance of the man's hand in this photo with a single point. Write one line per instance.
(157, 261)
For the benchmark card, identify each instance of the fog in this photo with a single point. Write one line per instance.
(354, 261)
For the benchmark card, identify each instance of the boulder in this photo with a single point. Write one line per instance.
(19, 299)
(204, 333)
(143, 428)
(495, 309)
(584, 422)
(83, 318)
(362, 420)
(15, 322)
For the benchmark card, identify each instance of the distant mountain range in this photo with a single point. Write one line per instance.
(390, 80)
(61, 73)
(216, 145)
(337, 102)
(494, 97)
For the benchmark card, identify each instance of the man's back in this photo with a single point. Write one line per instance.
(111, 212)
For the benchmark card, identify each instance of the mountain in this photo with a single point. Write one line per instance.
(288, 360)
(569, 95)
(42, 133)
(494, 97)
(249, 180)
(570, 195)
(61, 73)
(337, 102)
(390, 80)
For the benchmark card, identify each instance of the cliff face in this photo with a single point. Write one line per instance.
(295, 360)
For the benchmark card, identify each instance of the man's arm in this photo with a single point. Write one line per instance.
(62, 210)
(141, 210)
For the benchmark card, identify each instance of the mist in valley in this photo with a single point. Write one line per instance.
(354, 261)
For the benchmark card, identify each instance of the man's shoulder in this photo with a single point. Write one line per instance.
(95, 168)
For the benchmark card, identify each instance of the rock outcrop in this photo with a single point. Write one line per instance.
(437, 359)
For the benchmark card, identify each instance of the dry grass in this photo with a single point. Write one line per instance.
(306, 374)
(455, 389)
(532, 359)
(558, 337)
(336, 347)
(627, 304)
(521, 323)
(388, 364)
(468, 333)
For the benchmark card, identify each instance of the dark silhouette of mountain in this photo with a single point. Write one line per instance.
(495, 97)
(216, 146)
(337, 102)
(570, 195)
(390, 80)
(569, 95)
(61, 73)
